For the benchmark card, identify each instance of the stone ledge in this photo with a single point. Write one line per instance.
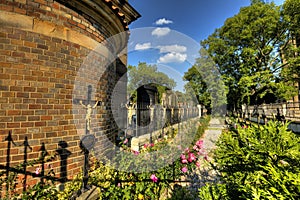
(27, 23)
(92, 194)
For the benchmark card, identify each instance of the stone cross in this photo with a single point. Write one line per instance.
(89, 105)
(87, 141)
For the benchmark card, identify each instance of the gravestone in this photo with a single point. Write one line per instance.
(135, 144)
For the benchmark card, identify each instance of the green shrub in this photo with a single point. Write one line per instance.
(259, 162)
(40, 191)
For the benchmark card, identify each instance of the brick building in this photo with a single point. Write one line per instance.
(44, 46)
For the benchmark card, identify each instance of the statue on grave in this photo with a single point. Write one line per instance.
(89, 110)
(152, 108)
(131, 111)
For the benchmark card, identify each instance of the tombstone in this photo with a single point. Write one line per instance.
(199, 110)
(284, 109)
(135, 144)
(244, 111)
(164, 100)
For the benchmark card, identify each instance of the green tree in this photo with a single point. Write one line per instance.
(197, 85)
(246, 50)
(205, 82)
(291, 13)
(145, 74)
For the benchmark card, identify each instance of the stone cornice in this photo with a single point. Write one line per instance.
(110, 17)
(27, 23)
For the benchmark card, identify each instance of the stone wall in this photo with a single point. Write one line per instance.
(44, 46)
(289, 111)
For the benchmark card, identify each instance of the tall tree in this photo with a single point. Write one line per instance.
(205, 82)
(145, 74)
(197, 86)
(247, 50)
(291, 13)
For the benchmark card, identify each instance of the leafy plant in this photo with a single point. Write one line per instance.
(127, 184)
(71, 188)
(39, 191)
(259, 162)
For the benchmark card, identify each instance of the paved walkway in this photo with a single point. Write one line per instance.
(205, 174)
(212, 134)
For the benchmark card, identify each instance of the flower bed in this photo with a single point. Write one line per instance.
(151, 182)
(151, 173)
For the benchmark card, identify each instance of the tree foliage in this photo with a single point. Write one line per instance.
(205, 82)
(197, 85)
(291, 13)
(247, 51)
(145, 74)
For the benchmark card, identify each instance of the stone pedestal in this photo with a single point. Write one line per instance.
(199, 110)
(135, 144)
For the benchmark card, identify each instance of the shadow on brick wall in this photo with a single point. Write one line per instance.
(10, 175)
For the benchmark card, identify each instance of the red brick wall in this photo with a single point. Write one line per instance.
(37, 76)
(50, 10)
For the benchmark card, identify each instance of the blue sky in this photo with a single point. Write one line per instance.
(169, 32)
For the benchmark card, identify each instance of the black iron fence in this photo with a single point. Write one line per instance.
(12, 175)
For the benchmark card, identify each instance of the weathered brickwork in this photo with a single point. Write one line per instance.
(43, 46)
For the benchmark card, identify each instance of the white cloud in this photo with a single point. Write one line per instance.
(161, 31)
(163, 21)
(172, 49)
(143, 46)
(172, 58)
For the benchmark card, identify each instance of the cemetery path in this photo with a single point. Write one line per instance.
(212, 134)
(205, 174)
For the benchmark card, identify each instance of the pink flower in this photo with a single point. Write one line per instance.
(151, 145)
(154, 178)
(197, 164)
(201, 152)
(199, 143)
(184, 161)
(119, 185)
(37, 170)
(184, 169)
(195, 147)
(125, 141)
(136, 152)
(191, 157)
(182, 156)
(187, 150)
(145, 146)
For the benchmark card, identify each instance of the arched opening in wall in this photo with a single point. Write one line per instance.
(147, 95)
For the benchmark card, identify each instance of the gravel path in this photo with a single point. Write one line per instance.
(205, 174)
(212, 134)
